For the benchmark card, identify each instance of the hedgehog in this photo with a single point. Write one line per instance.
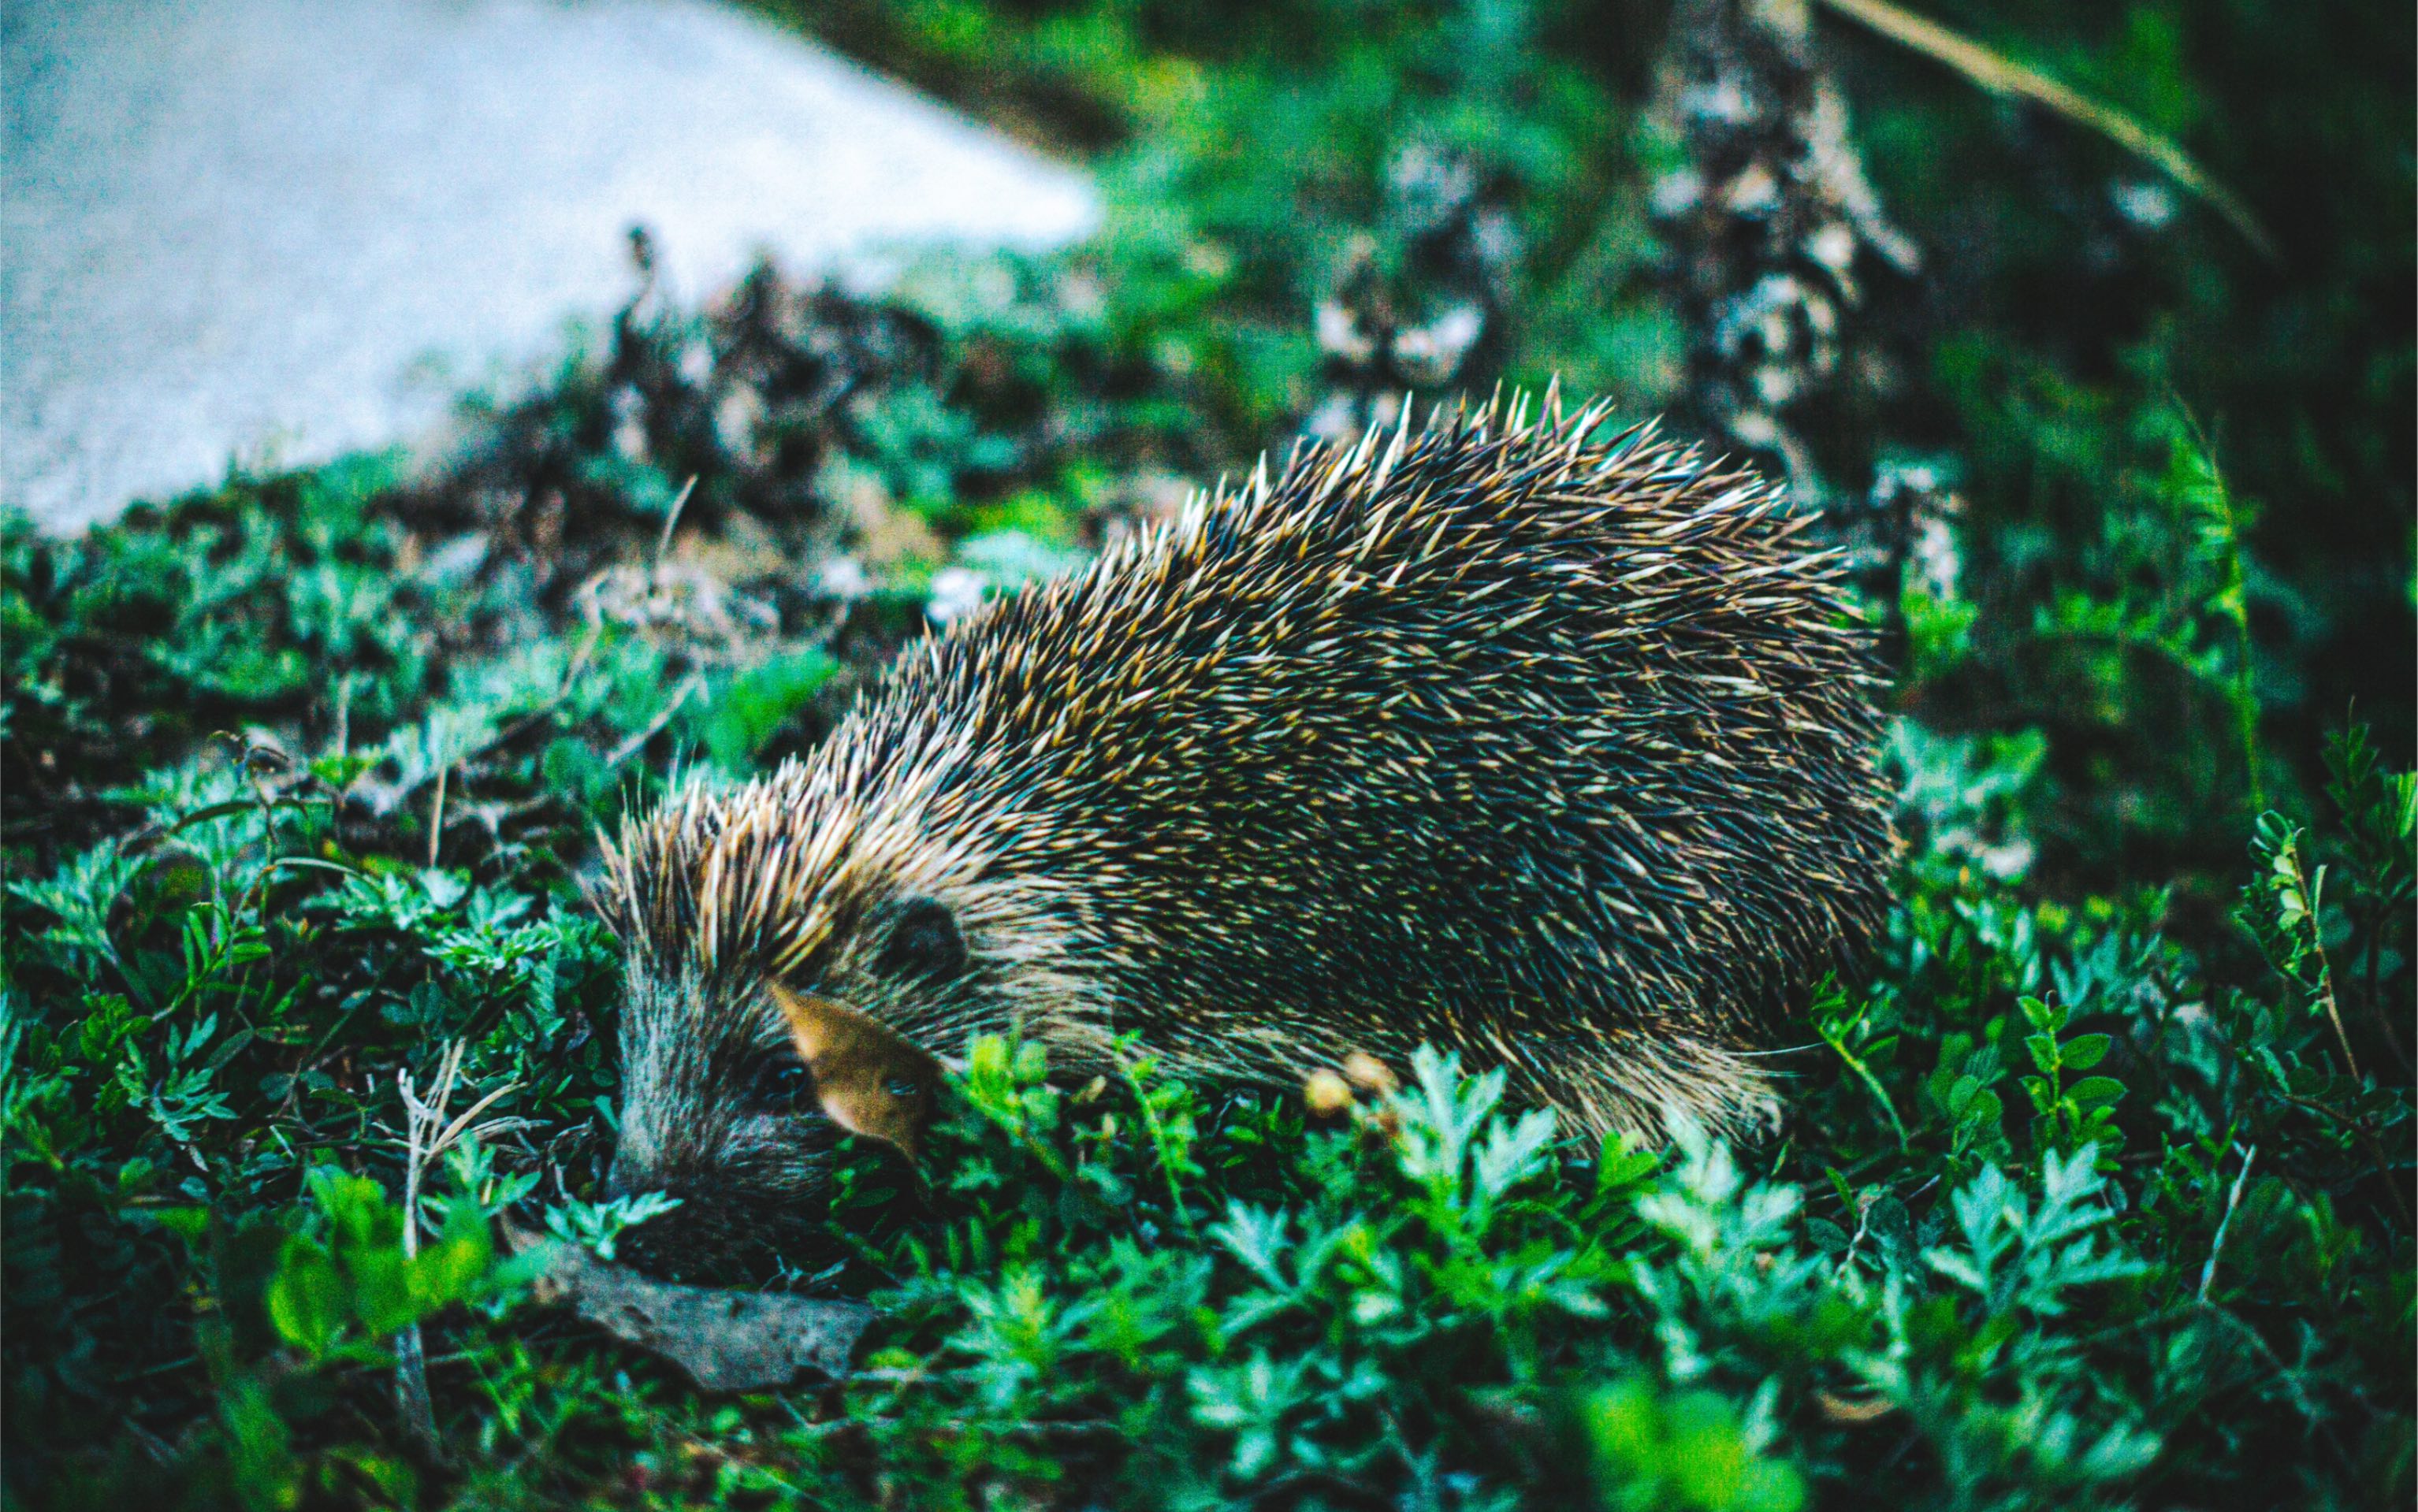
(1551, 748)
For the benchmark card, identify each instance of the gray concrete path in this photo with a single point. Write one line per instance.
(285, 229)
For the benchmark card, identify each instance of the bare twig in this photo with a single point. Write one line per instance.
(437, 817)
(427, 1135)
(671, 518)
(2333, 1009)
(637, 742)
(344, 714)
(2310, 900)
(410, 1358)
(2232, 1201)
(2002, 75)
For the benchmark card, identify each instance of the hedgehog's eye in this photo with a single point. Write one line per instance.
(923, 943)
(778, 1083)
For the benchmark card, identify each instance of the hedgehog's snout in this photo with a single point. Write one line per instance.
(732, 1227)
(714, 1240)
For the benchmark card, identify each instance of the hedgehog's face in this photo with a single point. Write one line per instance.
(734, 1093)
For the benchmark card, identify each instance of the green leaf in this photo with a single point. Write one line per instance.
(2043, 1015)
(743, 715)
(307, 1297)
(382, 1289)
(267, 1477)
(1984, 1112)
(2084, 1051)
(187, 1223)
(2094, 1092)
(452, 1269)
(2043, 1051)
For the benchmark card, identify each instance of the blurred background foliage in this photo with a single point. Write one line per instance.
(2074, 311)
(2096, 1193)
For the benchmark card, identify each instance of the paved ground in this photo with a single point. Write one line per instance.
(289, 228)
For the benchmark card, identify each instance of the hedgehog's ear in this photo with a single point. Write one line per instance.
(870, 1078)
(923, 943)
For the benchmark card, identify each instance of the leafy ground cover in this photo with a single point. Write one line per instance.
(2095, 1190)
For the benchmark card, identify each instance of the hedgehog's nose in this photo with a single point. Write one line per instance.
(678, 1246)
(718, 1238)
(642, 1165)
(667, 1253)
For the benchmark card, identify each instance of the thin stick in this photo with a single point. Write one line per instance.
(427, 1135)
(2004, 76)
(437, 817)
(635, 743)
(2232, 1201)
(410, 1357)
(671, 518)
(2334, 1011)
(2314, 889)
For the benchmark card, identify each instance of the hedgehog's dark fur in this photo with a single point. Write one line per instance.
(1559, 755)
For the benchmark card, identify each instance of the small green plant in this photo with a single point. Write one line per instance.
(1690, 1450)
(2068, 1115)
(597, 1225)
(344, 1284)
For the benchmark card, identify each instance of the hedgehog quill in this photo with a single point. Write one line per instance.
(1552, 751)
